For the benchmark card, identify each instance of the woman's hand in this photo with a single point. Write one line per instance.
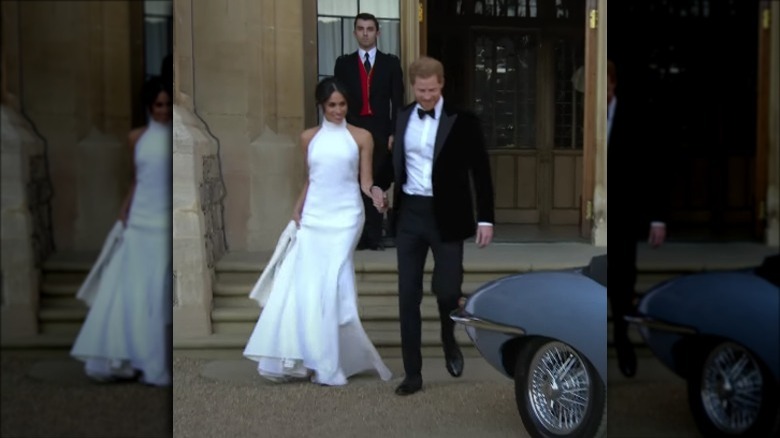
(380, 199)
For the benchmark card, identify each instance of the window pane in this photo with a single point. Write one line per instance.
(337, 7)
(157, 7)
(350, 44)
(390, 37)
(569, 61)
(505, 89)
(329, 46)
(381, 8)
(157, 43)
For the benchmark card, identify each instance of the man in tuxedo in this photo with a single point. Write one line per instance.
(635, 161)
(375, 88)
(438, 151)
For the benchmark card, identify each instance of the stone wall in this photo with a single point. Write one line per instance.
(212, 194)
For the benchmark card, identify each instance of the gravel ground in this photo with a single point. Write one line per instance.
(226, 398)
(51, 397)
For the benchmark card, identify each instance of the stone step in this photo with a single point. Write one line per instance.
(61, 302)
(380, 338)
(237, 290)
(70, 262)
(40, 341)
(369, 308)
(245, 327)
(63, 314)
(59, 289)
(230, 278)
(71, 328)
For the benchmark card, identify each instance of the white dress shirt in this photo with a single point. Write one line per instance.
(418, 143)
(371, 56)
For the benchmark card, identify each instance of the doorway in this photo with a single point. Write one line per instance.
(701, 74)
(518, 64)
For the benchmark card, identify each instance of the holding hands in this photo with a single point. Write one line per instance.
(380, 199)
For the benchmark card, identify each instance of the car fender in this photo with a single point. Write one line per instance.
(566, 306)
(738, 306)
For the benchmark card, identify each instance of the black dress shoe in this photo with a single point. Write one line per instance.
(453, 359)
(626, 357)
(409, 386)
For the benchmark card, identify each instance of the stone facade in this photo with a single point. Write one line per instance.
(66, 113)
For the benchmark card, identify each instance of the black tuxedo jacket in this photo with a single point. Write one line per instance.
(386, 93)
(459, 157)
(638, 175)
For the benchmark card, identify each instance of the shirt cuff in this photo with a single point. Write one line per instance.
(657, 224)
(487, 224)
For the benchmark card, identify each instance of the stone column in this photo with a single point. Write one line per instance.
(599, 236)
(193, 255)
(275, 120)
(76, 93)
(20, 146)
(410, 42)
(248, 90)
(773, 158)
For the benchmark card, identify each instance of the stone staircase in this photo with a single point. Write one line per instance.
(60, 313)
(234, 314)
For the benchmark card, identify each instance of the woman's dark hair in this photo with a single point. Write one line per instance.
(326, 87)
(152, 89)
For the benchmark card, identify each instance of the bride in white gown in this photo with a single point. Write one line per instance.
(129, 288)
(309, 327)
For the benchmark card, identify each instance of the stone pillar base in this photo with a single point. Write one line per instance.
(192, 285)
(20, 275)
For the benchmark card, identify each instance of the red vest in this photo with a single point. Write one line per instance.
(365, 85)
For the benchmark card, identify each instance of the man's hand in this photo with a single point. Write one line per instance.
(380, 199)
(390, 143)
(657, 235)
(484, 235)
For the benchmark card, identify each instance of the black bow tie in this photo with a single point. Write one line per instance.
(421, 112)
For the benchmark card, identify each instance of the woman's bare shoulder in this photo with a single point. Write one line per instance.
(362, 136)
(308, 134)
(135, 134)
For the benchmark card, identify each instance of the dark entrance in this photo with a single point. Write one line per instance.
(695, 62)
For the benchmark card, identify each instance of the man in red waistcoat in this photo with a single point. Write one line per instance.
(375, 88)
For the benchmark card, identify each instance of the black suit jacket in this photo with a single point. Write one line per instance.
(459, 157)
(386, 93)
(638, 175)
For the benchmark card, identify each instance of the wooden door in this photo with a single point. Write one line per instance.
(513, 63)
(700, 74)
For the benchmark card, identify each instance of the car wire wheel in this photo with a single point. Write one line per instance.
(731, 388)
(558, 388)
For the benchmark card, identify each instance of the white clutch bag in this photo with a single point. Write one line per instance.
(262, 289)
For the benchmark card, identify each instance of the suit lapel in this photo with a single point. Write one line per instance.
(445, 126)
(377, 71)
(399, 146)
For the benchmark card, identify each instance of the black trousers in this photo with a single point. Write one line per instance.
(622, 282)
(372, 228)
(416, 234)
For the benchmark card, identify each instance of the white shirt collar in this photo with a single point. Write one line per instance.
(371, 54)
